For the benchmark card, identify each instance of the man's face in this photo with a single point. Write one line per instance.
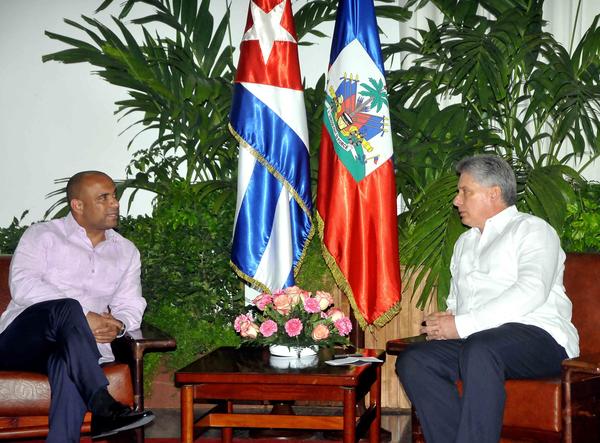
(476, 203)
(97, 207)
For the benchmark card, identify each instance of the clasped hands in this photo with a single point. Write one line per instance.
(439, 326)
(104, 326)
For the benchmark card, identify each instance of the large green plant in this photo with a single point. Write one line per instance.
(515, 91)
(191, 292)
(10, 236)
(582, 227)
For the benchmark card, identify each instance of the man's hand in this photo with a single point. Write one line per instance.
(440, 326)
(104, 326)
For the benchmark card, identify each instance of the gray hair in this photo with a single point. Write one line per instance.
(491, 170)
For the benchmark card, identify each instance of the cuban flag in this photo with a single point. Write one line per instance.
(273, 213)
(356, 192)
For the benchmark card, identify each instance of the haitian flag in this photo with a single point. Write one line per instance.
(356, 193)
(273, 213)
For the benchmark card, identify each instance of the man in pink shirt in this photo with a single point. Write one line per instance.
(75, 287)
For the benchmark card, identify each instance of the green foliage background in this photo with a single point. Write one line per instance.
(191, 291)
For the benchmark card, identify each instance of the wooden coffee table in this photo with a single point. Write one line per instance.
(227, 375)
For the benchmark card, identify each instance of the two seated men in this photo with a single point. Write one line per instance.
(75, 287)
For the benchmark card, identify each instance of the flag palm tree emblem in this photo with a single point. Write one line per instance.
(351, 124)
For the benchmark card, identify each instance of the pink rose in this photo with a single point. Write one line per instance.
(262, 301)
(321, 332)
(324, 298)
(282, 304)
(249, 330)
(311, 305)
(293, 327)
(296, 294)
(237, 323)
(335, 314)
(268, 328)
(343, 325)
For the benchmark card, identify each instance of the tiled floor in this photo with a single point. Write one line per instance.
(167, 424)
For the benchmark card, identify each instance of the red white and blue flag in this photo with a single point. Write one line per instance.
(273, 214)
(356, 193)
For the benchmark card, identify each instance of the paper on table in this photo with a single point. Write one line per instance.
(353, 361)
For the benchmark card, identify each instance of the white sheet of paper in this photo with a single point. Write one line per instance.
(353, 361)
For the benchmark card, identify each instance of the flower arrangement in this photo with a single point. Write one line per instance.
(295, 318)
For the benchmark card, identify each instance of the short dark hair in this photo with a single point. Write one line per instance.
(74, 183)
(491, 170)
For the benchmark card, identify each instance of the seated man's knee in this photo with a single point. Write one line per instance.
(409, 363)
(477, 349)
(67, 306)
(70, 304)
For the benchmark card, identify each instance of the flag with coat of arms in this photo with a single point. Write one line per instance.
(356, 192)
(273, 222)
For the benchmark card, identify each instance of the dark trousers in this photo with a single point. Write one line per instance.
(429, 371)
(54, 338)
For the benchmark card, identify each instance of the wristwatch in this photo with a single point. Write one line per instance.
(122, 330)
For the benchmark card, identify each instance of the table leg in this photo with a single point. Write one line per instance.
(227, 433)
(349, 415)
(375, 399)
(187, 414)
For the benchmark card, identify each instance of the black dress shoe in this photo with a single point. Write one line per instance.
(120, 418)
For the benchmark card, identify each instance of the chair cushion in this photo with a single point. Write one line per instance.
(534, 404)
(28, 393)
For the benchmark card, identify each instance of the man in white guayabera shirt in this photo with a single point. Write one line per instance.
(508, 316)
(75, 287)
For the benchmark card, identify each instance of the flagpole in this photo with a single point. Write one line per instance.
(357, 336)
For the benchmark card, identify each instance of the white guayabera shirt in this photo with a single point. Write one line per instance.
(511, 272)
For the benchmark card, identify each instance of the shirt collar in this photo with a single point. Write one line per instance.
(72, 227)
(501, 219)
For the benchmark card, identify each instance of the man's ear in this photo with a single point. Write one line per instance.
(496, 193)
(76, 205)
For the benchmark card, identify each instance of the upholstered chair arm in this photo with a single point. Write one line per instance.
(589, 364)
(396, 346)
(581, 385)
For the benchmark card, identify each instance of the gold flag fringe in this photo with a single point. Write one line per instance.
(272, 170)
(252, 281)
(343, 284)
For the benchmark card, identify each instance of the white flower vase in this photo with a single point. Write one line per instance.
(309, 361)
(293, 351)
(286, 357)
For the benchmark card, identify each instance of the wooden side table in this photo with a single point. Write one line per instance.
(227, 375)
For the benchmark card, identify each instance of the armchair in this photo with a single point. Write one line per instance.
(567, 408)
(25, 396)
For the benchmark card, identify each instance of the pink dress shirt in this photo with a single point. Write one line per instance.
(56, 259)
